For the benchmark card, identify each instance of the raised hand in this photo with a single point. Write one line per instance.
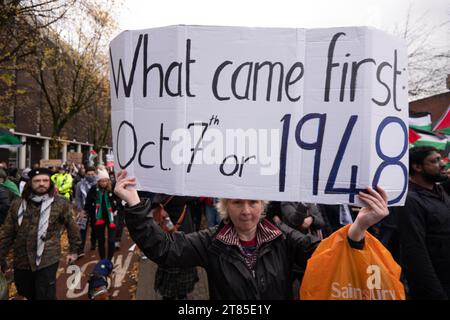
(129, 195)
(375, 210)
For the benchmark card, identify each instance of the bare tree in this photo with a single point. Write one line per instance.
(21, 22)
(100, 129)
(70, 66)
(428, 57)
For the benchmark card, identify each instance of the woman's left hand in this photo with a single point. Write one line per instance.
(374, 212)
(129, 195)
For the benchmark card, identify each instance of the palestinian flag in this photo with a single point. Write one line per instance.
(443, 124)
(420, 137)
(8, 140)
(420, 120)
(92, 156)
(413, 136)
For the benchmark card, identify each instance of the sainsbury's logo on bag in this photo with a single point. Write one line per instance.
(373, 290)
(351, 274)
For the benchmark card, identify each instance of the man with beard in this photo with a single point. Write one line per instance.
(34, 225)
(424, 226)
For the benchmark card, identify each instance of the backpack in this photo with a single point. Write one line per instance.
(162, 218)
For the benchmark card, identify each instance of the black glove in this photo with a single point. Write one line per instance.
(302, 211)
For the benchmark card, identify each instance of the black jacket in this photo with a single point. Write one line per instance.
(4, 203)
(228, 276)
(174, 207)
(424, 226)
(91, 199)
(294, 213)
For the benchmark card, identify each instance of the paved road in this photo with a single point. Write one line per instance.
(72, 279)
(132, 278)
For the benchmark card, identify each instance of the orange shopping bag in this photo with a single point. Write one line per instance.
(338, 272)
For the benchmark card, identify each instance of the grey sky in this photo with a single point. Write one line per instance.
(387, 15)
(139, 14)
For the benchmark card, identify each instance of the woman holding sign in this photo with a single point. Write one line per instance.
(246, 256)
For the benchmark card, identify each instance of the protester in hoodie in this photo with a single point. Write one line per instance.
(81, 190)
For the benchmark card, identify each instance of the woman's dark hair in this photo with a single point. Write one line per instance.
(27, 190)
(108, 186)
(12, 172)
(90, 169)
(417, 155)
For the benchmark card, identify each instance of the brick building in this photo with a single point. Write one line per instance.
(31, 117)
(436, 105)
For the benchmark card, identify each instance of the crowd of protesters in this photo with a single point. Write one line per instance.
(417, 235)
(37, 205)
(88, 198)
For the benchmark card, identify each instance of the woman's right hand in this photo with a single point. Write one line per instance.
(129, 195)
(307, 222)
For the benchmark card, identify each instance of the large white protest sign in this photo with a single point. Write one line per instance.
(309, 115)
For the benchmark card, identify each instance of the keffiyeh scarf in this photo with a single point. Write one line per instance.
(46, 203)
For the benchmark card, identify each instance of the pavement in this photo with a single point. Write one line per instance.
(132, 278)
(72, 279)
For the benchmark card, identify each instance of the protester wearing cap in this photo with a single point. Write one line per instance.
(101, 205)
(102, 175)
(39, 171)
(34, 226)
